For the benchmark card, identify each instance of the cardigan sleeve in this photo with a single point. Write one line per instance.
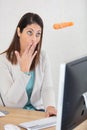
(48, 94)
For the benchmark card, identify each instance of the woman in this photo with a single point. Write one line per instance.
(25, 70)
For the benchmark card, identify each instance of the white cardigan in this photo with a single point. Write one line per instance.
(13, 84)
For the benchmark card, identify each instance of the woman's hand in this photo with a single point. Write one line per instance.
(25, 60)
(51, 111)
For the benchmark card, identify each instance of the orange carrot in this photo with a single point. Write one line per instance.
(62, 25)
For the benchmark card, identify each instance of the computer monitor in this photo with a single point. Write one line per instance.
(72, 108)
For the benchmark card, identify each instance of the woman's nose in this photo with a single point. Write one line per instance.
(34, 38)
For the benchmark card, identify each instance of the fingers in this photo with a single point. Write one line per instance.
(25, 60)
(34, 55)
(51, 111)
(48, 114)
(30, 49)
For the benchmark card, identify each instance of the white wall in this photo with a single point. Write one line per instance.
(62, 45)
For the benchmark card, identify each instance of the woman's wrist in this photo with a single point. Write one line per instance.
(50, 107)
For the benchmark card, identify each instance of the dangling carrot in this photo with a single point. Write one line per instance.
(62, 25)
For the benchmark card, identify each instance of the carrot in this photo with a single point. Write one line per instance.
(62, 25)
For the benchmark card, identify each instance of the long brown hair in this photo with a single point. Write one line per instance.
(27, 19)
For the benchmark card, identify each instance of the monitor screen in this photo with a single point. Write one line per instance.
(72, 109)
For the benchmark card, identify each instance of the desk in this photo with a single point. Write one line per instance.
(17, 116)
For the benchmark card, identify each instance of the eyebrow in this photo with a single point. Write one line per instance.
(33, 30)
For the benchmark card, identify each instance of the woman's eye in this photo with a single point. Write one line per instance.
(38, 34)
(29, 33)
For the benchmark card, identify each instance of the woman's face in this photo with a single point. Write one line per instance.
(31, 34)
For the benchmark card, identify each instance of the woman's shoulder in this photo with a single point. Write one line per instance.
(44, 58)
(43, 54)
(3, 58)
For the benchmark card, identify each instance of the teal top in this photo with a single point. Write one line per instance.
(29, 89)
